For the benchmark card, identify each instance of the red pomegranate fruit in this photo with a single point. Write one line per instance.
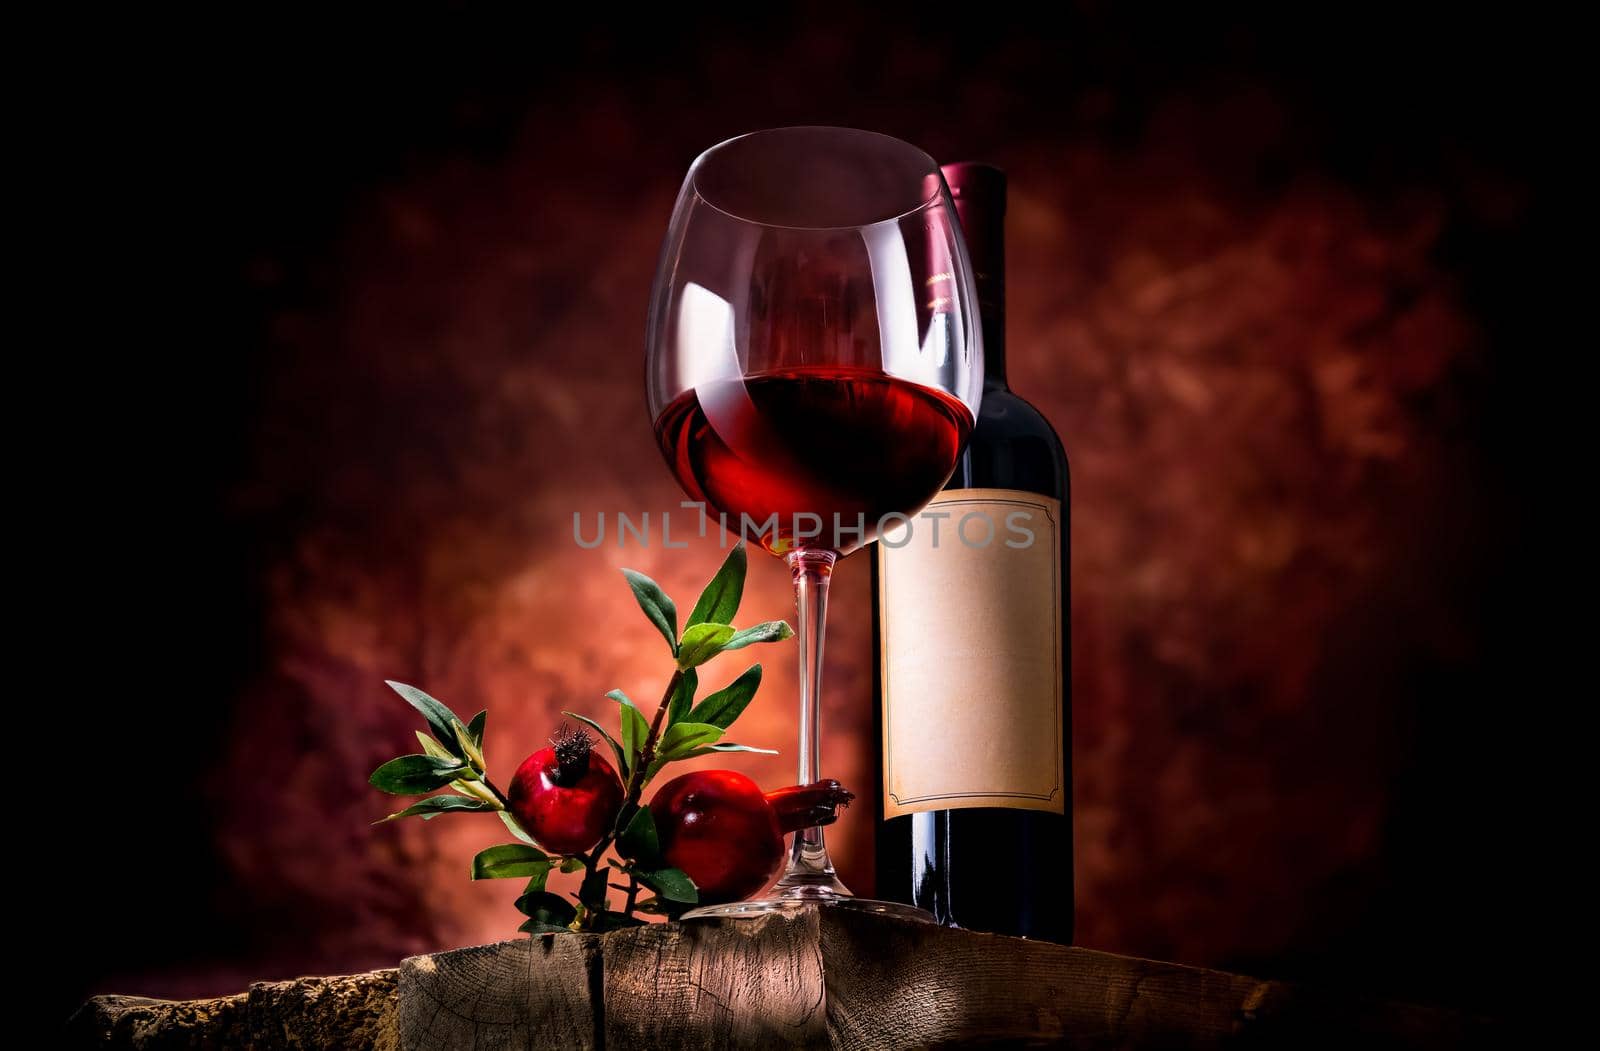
(566, 796)
(727, 835)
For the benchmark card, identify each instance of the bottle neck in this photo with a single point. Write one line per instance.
(994, 345)
(979, 192)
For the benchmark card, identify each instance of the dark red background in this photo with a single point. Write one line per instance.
(1270, 281)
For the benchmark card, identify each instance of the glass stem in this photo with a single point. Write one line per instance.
(810, 872)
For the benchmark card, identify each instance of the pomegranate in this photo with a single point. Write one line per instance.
(566, 796)
(727, 835)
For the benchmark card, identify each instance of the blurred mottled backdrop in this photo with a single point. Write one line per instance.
(1265, 280)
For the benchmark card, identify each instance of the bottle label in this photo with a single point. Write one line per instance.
(969, 594)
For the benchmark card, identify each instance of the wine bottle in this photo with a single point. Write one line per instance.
(970, 644)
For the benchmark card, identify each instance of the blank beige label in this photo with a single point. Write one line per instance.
(970, 601)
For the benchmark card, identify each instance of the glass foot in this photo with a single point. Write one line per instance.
(798, 902)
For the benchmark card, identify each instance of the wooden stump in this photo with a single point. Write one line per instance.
(804, 980)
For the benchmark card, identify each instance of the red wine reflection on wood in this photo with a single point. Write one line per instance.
(827, 442)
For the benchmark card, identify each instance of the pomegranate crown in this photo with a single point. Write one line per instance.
(572, 753)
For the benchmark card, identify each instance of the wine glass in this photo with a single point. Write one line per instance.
(814, 367)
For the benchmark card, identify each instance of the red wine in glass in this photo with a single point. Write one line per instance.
(811, 447)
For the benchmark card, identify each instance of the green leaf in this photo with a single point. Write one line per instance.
(679, 740)
(771, 631)
(432, 747)
(440, 718)
(592, 892)
(510, 860)
(720, 600)
(475, 728)
(682, 696)
(572, 864)
(412, 775)
(724, 706)
(541, 927)
(615, 921)
(468, 748)
(727, 746)
(547, 908)
(433, 806)
(536, 871)
(536, 881)
(639, 841)
(616, 749)
(516, 829)
(656, 605)
(702, 642)
(672, 884)
(635, 730)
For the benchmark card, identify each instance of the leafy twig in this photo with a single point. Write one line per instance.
(453, 756)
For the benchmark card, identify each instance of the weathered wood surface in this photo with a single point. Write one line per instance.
(808, 980)
(960, 988)
(722, 984)
(354, 1011)
(513, 994)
